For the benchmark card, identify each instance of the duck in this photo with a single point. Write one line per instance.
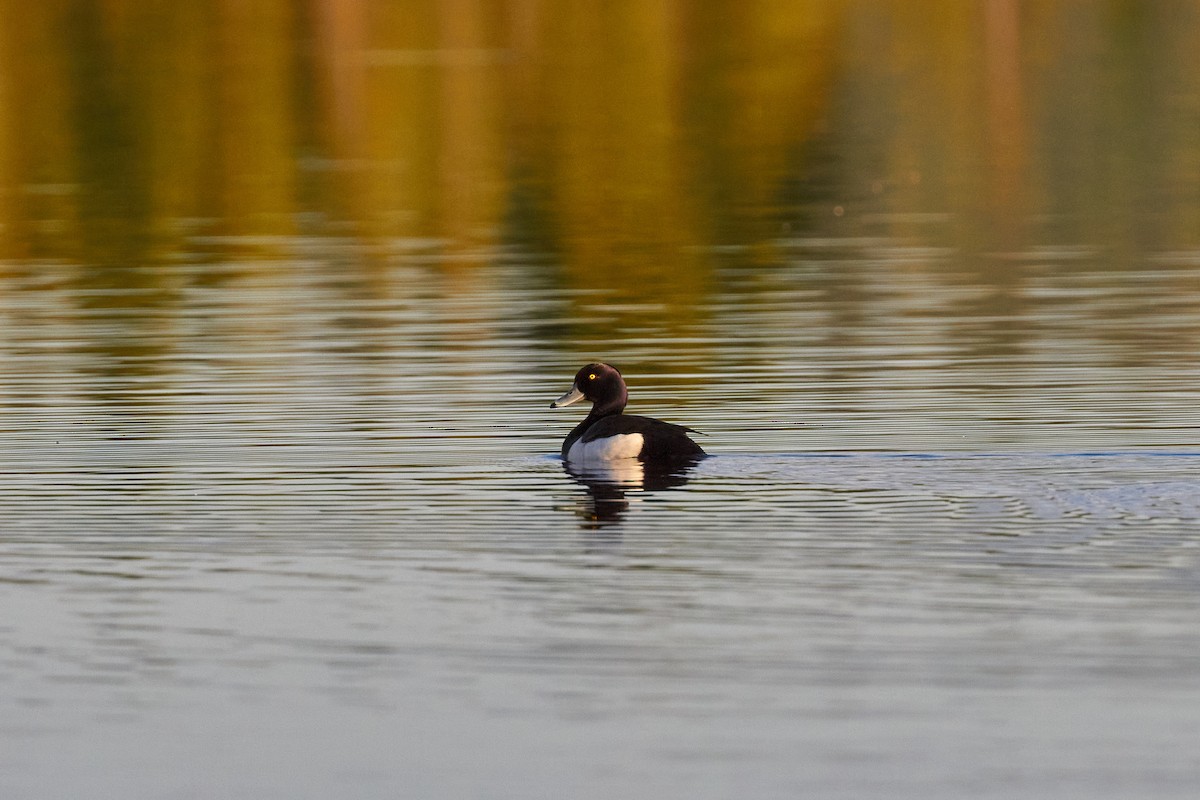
(606, 435)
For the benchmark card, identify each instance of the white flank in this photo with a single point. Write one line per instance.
(610, 448)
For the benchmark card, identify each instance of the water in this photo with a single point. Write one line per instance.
(330, 545)
(973, 623)
(284, 299)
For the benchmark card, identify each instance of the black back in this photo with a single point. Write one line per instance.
(661, 441)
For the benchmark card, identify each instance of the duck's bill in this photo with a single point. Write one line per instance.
(572, 396)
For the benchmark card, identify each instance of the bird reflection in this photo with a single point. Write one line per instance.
(608, 483)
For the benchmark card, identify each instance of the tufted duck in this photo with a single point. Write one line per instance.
(608, 435)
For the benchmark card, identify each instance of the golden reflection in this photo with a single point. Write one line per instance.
(1007, 137)
(40, 172)
(254, 115)
(639, 150)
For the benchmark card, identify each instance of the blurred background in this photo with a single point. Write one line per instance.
(828, 190)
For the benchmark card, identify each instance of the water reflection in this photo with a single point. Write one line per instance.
(284, 288)
(651, 174)
(611, 485)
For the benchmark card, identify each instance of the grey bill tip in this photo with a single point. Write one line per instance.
(573, 395)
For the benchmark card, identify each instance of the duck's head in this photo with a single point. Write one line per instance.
(601, 384)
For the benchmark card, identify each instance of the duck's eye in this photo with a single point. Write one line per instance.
(592, 377)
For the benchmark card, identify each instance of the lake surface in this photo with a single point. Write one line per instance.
(281, 510)
(296, 555)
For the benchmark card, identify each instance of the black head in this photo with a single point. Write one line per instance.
(600, 382)
(602, 385)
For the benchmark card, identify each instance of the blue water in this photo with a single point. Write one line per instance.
(988, 624)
